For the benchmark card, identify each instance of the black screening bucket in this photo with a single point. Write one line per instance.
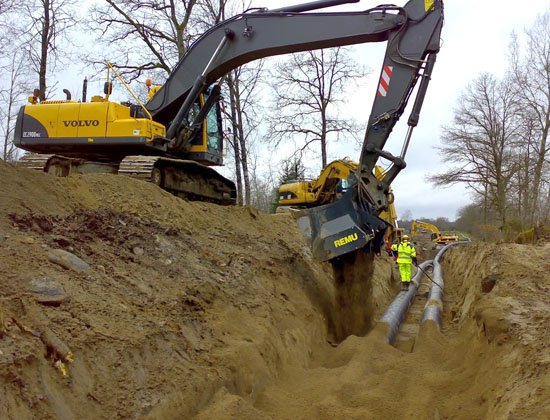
(340, 228)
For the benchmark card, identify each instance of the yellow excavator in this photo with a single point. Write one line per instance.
(334, 180)
(110, 137)
(420, 230)
(180, 126)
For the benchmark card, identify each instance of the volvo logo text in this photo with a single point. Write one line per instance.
(81, 123)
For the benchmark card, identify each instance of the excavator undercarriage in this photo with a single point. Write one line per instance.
(183, 178)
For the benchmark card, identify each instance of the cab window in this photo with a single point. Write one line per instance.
(213, 130)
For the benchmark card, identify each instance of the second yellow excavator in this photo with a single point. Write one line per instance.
(333, 181)
(420, 229)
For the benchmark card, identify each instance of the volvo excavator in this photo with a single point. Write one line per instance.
(171, 122)
(104, 136)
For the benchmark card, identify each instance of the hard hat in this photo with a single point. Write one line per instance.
(405, 237)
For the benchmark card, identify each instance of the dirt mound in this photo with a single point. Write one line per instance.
(182, 300)
(120, 300)
(502, 293)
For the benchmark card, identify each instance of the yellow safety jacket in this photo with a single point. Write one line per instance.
(405, 252)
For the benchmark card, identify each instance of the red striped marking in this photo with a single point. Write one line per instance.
(385, 81)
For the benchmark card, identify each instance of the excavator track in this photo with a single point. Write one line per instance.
(183, 178)
(34, 161)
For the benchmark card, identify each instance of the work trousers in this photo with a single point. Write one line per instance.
(405, 271)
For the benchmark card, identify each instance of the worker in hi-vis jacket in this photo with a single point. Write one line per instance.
(406, 257)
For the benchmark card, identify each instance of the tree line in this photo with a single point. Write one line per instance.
(497, 144)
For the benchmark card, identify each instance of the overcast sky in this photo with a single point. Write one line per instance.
(475, 39)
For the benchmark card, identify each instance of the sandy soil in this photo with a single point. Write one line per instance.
(183, 309)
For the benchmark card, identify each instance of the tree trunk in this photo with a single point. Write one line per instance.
(324, 134)
(537, 178)
(243, 148)
(8, 125)
(236, 143)
(44, 44)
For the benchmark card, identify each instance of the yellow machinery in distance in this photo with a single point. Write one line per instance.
(420, 228)
(332, 182)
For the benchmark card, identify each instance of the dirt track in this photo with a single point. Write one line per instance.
(190, 309)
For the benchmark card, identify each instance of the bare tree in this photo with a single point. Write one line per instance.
(214, 11)
(5, 5)
(10, 22)
(232, 139)
(16, 78)
(481, 142)
(531, 76)
(264, 191)
(13, 74)
(292, 169)
(242, 83)
(143, 36)
(50, 20)
(243, 104)
(307, 87)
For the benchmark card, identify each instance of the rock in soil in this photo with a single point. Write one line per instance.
(69, 261)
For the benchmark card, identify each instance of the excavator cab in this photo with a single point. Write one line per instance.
(206, 145)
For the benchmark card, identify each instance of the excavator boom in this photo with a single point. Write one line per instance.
(412, 33)
(413, 36)
(252, 36)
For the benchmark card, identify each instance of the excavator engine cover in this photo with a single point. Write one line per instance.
(341, 227)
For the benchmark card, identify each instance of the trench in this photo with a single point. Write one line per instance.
(352, 371)
(358, 375)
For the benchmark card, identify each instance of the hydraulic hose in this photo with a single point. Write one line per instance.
(397, 310)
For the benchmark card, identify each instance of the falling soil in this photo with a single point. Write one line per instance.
(164, 308)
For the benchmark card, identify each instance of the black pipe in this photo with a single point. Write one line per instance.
(397, 310)
(314, 5)
(434, 307)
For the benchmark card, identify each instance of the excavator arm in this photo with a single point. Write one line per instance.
(412, 33)
(251, 36)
